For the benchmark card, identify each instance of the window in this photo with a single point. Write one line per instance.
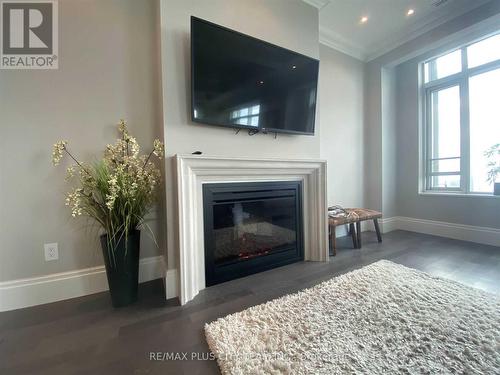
(462, 118)
(246, 116)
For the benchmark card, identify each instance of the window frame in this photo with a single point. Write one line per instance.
(460, 79)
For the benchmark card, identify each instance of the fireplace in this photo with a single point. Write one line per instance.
(251, 227)
(186, 245)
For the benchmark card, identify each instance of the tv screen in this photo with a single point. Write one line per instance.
(243, 82)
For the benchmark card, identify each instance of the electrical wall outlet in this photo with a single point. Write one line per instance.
(51, 251)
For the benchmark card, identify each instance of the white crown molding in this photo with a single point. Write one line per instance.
(33, 291)
(477, 31)
(336, 41)
(194, 171)
(319, 4)
(417, 30)
(471, 233)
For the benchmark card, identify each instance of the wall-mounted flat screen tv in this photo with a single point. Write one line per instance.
(243, 82)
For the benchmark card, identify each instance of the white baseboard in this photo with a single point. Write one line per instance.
(483, 235)
(388, 224)
(17, 294)
(33, 291)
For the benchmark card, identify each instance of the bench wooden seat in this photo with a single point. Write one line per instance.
(353, 218)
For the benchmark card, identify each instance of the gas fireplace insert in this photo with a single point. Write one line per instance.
(251, 227)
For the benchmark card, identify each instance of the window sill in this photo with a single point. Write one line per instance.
(461, 195)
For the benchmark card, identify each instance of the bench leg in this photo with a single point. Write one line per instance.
(358, 231)
(329, 239)
(332, 240)
(353, 235)
(377, 230)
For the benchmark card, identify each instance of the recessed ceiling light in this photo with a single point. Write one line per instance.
(363, 19)
(294, 66)
(261, 82)
(410, 12)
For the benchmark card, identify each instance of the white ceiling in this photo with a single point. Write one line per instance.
(388, 25)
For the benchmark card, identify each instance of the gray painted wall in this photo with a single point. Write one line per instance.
(108, 69)
(103, 79)
(480, 211)
(292, 24)
(389, 143)
(372, 165)
(341, 86)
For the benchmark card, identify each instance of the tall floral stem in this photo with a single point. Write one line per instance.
(149, 156)
(74, 159)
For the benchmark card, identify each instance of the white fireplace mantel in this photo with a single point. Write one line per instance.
(193, 171)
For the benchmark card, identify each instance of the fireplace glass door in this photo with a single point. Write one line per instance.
(248, 229)
(251, 227)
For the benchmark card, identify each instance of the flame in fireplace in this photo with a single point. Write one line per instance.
(248, 255)
(249, 242)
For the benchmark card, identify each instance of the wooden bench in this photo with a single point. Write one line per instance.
(353, 218)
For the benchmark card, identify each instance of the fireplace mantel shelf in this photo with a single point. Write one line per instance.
(246, 159)
(195, 170)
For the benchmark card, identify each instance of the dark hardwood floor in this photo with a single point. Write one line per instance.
(86, 336)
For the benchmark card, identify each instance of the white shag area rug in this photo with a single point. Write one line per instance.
(382, 319)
